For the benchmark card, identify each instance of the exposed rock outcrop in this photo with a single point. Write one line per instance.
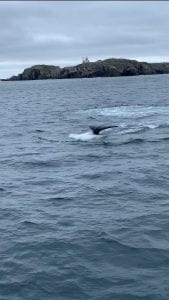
(38, 72)
(101, 68)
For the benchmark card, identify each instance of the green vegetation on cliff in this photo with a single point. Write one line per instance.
(101, 68)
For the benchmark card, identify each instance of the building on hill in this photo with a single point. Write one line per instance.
(85, 60)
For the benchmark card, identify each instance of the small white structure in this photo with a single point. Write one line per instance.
(85, 60)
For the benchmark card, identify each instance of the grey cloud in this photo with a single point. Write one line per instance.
(63, 32)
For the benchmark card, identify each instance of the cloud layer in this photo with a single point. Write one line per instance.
(61, 33)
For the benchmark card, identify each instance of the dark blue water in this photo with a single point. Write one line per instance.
(84, 216)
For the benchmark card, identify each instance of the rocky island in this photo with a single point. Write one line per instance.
(101, 68)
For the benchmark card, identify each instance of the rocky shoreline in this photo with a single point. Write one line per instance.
(102, 68)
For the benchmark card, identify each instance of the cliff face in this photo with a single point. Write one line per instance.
(38, 72)
(102, 68)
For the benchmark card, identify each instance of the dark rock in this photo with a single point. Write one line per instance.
(161, 68)
(40, 72)
(101, 68)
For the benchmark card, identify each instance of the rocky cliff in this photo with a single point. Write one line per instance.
(101, 68)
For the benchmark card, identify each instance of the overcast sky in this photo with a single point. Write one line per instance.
(62, 32)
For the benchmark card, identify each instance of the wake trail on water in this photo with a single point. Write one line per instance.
(129, 111)
(86, 136)
(128, 120)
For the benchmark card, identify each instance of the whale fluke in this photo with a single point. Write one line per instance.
(98, 129)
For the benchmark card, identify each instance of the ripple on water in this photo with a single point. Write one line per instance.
(84, 216)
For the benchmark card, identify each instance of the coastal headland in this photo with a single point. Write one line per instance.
(112, 67)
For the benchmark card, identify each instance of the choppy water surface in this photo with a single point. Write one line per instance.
(84, 216)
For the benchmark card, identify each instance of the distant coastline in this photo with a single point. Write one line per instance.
(112, 67)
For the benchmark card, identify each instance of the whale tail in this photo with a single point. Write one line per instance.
(97, 129)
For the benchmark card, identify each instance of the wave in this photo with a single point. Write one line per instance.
(164, 139)
(130, 247)
(39, 130)
(51, 163)
(135, 130)
(142, 140)
(134, 141)
(145, 127)
(162, 125)
(46, 139)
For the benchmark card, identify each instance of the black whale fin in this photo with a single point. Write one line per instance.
(98, 129)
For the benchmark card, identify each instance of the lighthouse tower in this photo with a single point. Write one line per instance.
(85, 60)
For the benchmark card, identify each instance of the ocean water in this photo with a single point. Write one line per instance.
(84, 216)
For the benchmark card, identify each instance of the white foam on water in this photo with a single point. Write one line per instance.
(130, 111)
(152, 126)
(86, 136)
(159, 125)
